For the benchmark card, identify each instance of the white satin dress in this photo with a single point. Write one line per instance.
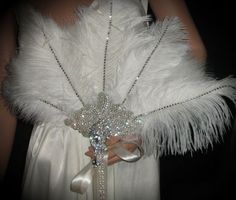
(56, 154)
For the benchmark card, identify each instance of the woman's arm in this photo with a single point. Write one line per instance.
(164, 8)
(7, 120)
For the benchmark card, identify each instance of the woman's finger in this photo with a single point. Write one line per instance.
(112, 140)
(129, 146)
(91, 148)
(90, 154)
(114, 160)
(112, 157)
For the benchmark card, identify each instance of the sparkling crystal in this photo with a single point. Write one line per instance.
(104, 117)
(96, 141)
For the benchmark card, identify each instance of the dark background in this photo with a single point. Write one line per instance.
(207, 175)
(211, 174)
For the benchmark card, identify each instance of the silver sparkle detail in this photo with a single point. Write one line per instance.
(146, 62)
(63, 70)
(140, 116)
(52, 105)
(106, 46)
(103, 118)
(100, 182)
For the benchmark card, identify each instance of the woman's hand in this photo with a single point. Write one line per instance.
(112, 157)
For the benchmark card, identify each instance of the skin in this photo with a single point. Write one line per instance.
(163, 8)
(112, 158)
(62, 11)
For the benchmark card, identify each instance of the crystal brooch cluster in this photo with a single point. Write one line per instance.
(102, 120)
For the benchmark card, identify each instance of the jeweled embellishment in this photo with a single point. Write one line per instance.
(98, 122)
(103, 119)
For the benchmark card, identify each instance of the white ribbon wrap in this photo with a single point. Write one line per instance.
(85, 177)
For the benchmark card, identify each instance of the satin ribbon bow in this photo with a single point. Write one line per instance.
(84, 178)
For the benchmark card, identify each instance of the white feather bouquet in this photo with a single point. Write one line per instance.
(146, 70)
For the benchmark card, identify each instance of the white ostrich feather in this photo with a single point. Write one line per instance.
(59, 69)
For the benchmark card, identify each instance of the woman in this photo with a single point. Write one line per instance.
(54, 175)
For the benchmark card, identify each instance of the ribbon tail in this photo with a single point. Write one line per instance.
(126, 155)
(83, 179)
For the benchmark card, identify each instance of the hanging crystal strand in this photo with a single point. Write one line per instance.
(100, 179)
(100, 176)
(97, 140)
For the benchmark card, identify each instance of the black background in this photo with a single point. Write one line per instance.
(210, 174)
(204, 175)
